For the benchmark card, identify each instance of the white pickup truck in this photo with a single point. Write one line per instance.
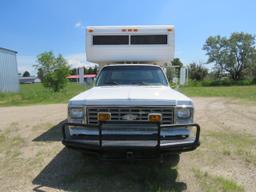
(131, 110)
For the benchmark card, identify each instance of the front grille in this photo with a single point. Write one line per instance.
(141, 113)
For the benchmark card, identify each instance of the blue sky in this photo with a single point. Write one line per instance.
(33, 26)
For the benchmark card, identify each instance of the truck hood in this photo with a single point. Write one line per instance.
(130, 95)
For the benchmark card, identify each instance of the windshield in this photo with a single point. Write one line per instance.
(131, 75)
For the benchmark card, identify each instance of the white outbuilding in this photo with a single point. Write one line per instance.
(9, 81)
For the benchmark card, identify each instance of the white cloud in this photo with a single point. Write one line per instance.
(79, 25)
(79, 60)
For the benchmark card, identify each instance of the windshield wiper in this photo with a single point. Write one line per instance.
(142, 83)
(112, 83)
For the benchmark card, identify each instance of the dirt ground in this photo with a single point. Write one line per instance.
(32, 157)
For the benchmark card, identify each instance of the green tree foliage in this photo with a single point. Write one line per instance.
(53, 70)
(177, 64)
(95, 69)
(40, 74)
(73, 71)
(26, 74)
(90, 70)
(233, 55)
(197, 72)
(85, 70)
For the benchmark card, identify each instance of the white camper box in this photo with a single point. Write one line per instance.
(130, 44)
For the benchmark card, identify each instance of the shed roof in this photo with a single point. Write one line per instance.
(9, 50)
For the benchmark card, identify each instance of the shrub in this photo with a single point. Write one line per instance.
(197, 72)
(226, 82)
(53, 70)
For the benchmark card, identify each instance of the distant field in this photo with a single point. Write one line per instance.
(241, 92)
(37, 94)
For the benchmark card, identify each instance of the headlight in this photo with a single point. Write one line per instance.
(183, 113)
(76, 113)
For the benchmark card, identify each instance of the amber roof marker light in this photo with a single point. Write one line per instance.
(129, 30)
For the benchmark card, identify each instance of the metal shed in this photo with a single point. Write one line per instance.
(9, 81)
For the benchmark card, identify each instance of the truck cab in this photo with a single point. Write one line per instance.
(131, 110)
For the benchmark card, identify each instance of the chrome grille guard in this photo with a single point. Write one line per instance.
(78, 144)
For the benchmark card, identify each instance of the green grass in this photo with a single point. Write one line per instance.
(37, 94)
(212, 183)
(241, 92)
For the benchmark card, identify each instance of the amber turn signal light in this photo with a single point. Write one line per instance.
(154, 117)
(104, 116)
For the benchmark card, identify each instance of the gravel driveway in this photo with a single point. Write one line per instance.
(32, 157)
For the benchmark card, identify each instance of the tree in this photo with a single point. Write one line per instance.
(90, 70)
(53, 70)
(197, 71)
(85, 70)
(177, 64)
(40, 74)
(26, 74)
(231, 55)
(95, 69)
(73, 71)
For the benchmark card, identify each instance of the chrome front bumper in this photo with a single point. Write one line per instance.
(157, 138)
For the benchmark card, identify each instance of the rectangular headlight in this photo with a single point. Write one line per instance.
(183, 113)
(76, 113)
